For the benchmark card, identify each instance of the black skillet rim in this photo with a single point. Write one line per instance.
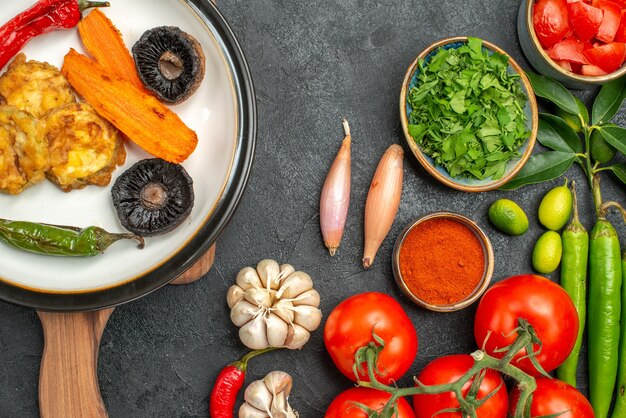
(208, 233)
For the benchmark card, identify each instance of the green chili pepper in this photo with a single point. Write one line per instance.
(605, 280)
(59, 240)
(620, 399)
(574, 281)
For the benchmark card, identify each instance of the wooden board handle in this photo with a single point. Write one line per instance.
(199, 269)
(68, 380)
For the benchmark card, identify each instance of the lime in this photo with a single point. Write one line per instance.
(601, 151)
(556, 207)
(573, 120)
(508, 217)
(547, 252)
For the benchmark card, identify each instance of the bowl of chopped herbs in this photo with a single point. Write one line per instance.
(468, 113)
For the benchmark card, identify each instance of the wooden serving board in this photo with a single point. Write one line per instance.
(68, 378)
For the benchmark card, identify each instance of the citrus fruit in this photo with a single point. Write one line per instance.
(556, 207)
(601, 151)
(547, 252)
(508, 217)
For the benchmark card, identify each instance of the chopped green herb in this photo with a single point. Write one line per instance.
(468, 111)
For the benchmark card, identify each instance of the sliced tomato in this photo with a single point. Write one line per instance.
(610, 20)
(592, 70)
(609, 57)
(620, 36)
(585, 19)
(566, 65)
(550, 21)
(622, 3)
(570, 49)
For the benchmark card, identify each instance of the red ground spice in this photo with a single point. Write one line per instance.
(442, 261)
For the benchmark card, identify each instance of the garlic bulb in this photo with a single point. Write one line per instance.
(268, 398)
(275, 306)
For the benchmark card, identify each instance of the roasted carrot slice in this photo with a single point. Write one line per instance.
(141, 117)
(104, 43)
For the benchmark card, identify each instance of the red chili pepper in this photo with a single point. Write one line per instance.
(43, 17)
(228, 384)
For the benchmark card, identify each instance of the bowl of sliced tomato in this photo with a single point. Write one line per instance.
(578, 42)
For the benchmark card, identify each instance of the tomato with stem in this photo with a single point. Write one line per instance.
(348, 404)
(554, 396)
(449, 369)
(355, 323)
(543, 304)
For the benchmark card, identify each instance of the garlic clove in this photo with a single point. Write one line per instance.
(258, 297)
(294, 285)
(254, 333)
(308, 317)
(249, 411)
(248, 278)
(258, 395)
(243, 312)
(234, 295)
(285, 271)
(278, 382)
(297, 337)
(310, 297)
(291, 413)
(269, 272)
(277, 330)
(284, 310)
(279, 406)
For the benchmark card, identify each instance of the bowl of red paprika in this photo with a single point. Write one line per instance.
(443, 261)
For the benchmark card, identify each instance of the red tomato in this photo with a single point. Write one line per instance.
(343, 405)
(570, 49)
(350, 325)
(552, 397)
(620, 36)
(550, 21)
(610, 20)
(609, 57)
(585, 19)
(592, 71)
(449, 369)
(544, 304)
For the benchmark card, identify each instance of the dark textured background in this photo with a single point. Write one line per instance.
(313, 62)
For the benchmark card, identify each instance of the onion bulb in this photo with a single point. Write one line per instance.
(335, 197)
(383, 201)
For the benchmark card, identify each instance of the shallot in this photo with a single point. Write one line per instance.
(335, 198)
(383, 201)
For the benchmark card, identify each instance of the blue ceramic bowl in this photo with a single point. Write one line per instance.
(465, 183)
(540, 60)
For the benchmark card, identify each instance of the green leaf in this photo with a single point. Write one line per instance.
(556, 134)
(615, 136)
(542, 167)
(620, 171)
(608, 101)
(554, 91)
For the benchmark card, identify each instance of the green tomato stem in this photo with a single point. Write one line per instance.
(482, 361)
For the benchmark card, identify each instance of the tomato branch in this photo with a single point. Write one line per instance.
(526, 339)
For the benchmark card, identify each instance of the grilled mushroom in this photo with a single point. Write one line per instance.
(170, 63)
(153, 197)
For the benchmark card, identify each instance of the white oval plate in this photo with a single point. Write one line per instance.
(214, 112)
